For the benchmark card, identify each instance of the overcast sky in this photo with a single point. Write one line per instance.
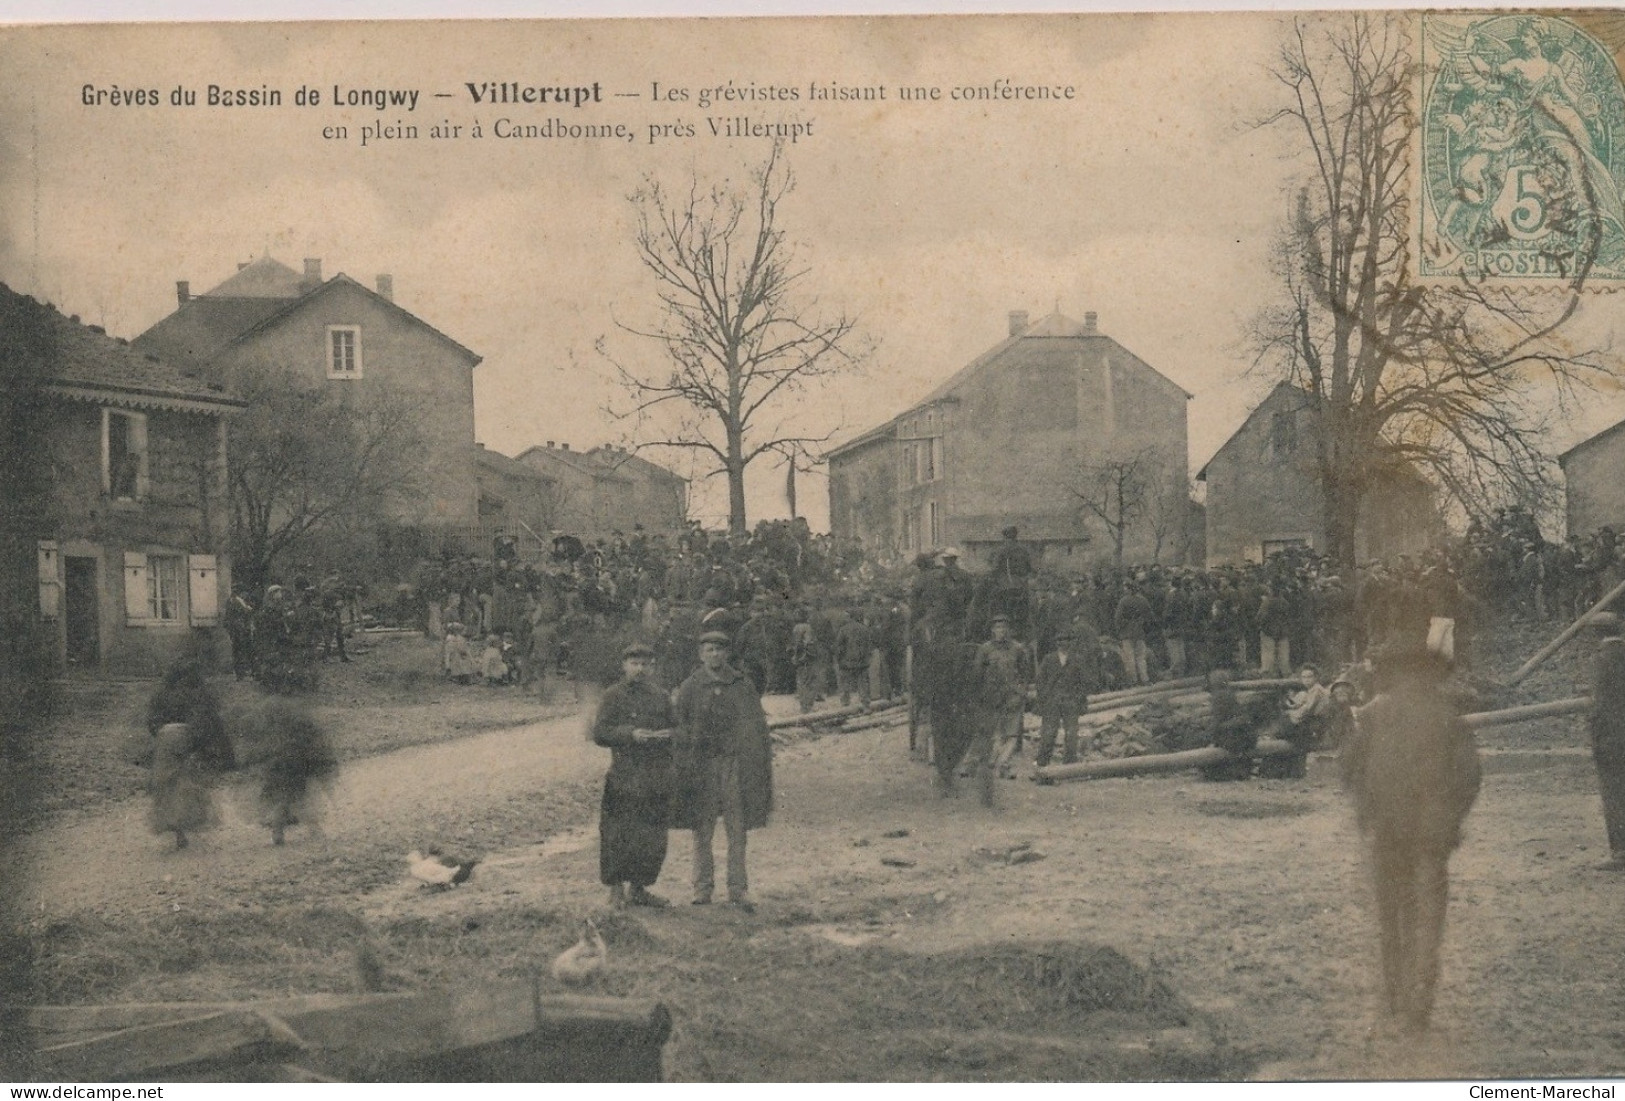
(1149, 198)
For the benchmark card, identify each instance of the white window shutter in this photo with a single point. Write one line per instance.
(50, 584)
(107, 458)
(135, 588)
(203, 591)
(138, 444)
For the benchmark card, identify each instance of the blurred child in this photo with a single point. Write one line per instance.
(492, 668)
(459, 661)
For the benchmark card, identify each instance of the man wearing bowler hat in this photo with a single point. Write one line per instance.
(724, 766)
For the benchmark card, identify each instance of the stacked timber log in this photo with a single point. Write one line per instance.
(860, 716)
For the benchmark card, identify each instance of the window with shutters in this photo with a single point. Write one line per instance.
(124, 455)
(50, 582)
(203, 590)
(344, 351)
(164, 588)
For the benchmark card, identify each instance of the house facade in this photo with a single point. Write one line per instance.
(1594, 490)
(351, 339)
(1264, 492)
(589, 494)
(1021, 436)
(133, 571)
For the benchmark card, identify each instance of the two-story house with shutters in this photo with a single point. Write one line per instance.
(353, 339)
(132, 566)
(1012, 439)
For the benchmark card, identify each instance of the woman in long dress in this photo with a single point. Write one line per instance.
(190, 744)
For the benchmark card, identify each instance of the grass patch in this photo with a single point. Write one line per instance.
(753, 998)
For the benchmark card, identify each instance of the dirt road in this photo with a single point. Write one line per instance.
(110, 862)
(1248, 899)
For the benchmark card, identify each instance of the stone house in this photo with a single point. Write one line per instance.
(589, 494)
(133, 571)
(1264, 493)
(1015, 437)
(1594, 488)
(350, 338)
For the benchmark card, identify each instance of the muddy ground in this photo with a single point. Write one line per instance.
(1165, 929)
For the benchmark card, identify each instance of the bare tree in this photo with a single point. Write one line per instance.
(306, 464)
(1119, 491)
(1168, 514)
(739, 334)
(1454, 378)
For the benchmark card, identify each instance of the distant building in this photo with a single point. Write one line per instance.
(1592, 476)
(1264, 492)
(1010, 439)
(338, 334)
(589, 494)
(133, 571)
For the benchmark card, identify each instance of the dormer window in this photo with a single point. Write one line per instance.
(124, 455)
(344, 351)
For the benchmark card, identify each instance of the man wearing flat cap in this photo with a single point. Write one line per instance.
(1065, 677)
(724, 760)
(635, 722)
(1003, 670)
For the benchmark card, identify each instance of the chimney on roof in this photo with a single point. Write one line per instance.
(386, 287)
(550, 445)
(313, 273)
(1018, 322)
(183, 291)
(566, 446)
(1089, 320)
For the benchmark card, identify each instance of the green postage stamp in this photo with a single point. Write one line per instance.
(1522, 151)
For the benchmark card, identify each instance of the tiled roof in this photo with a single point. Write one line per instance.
(249, 301)
(203, 326)
(615, 458)
(1037, 345)
(263, 278)
(86, 359)
(501, 464)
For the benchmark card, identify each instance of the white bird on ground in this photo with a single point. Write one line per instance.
(437, 870)
(577, 964)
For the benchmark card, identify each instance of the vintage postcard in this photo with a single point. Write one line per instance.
(968, 548)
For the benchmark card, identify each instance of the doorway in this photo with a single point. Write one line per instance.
(83, 616)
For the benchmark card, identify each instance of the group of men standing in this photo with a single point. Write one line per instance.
(681, 761)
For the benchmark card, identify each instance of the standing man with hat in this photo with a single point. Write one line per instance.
(724, 760)
(1003, 670)
(1064, 680)
(957, 589)
(635, 722)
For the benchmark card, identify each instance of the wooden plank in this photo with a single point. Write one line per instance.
(1569, 632)
(135, 1052)
(813, 717)
(345, 1030)
(1151, 764)
(1478, 720)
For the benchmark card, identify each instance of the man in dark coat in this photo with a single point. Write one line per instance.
(1002, 671)
(1134, 616)
(636, 723)
(1064, 680)
(854, 645)
(724, 762)
(1608, 731)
